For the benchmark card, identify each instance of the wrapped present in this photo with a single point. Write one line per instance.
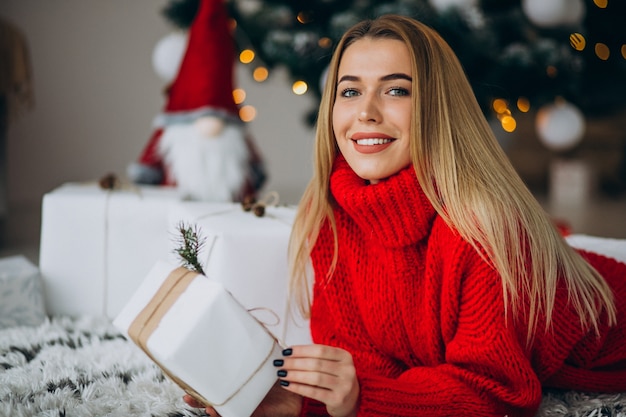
(21, 298)
(247, 253)
(609, 247)
(97, 244)
(202, 338)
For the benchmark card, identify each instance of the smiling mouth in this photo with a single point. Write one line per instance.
(373, 141)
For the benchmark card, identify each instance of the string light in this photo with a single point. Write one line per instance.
(325, 42)
(299, 87)
(304, 17)
(260, 74)
(247, 113)
(577, 41)
(239, 95)
(624, 51)
(508, 123)
(602, 51)
(601, 3)
(523, 104)
(246, 56)
(501, 107)
(552, 71)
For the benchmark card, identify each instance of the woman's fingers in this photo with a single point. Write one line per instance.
(192, 402)
(324, 373)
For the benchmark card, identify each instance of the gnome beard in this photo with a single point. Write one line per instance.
(208, 160)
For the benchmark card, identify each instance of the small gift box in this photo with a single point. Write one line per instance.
(248, 254)
(202, 338)
(21, 298)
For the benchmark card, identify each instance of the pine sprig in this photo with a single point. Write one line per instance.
(189, 244)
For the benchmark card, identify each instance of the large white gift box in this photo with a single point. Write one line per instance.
(202, 338)
(248, 255)
(97, 245)
(21, 299)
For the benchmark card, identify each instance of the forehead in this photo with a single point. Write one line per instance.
(375, 55)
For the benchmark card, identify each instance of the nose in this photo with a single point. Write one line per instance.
(369, 110)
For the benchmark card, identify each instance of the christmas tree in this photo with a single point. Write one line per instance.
(527, 52)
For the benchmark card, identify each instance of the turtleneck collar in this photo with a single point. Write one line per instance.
(395, 210)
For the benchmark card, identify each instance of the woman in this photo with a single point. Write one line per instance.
(441, 286)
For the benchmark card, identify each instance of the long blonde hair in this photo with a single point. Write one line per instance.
(467, 178)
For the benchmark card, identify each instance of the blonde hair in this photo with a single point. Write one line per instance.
(467, 178)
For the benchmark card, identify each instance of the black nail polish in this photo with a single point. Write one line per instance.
(284, 383)
(282, 373)
(287, 352)
(278, 362)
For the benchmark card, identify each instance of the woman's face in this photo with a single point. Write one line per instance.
(372, 109)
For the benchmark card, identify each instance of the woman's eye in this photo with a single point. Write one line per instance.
(398, 91)
(349, 92)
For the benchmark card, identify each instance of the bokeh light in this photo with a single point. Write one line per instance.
(523, 104)
(239, 95)
(577, 41)
(260, 74)
(246, 56)
(299, 87)
(325, 42)
(602, 51)
(499, 105)
(508, 123)
(247, 113)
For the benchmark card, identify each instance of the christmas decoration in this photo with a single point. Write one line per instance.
(505, 53)
(200, 143)
(167, 55)
(560, 126)
(190, 243)
(553, 13)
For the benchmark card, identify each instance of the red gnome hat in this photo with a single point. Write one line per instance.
(203, 85)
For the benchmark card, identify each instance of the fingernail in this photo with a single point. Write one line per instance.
(287, 352)
(278, 362)
(282, 373)
(284, 383)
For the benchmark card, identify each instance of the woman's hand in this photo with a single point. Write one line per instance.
(323, 373)
(277, 403)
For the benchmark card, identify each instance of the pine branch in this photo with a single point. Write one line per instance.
(189, 244)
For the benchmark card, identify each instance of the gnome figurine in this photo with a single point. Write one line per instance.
(200, 144)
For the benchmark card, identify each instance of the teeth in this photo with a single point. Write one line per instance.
(372, 141)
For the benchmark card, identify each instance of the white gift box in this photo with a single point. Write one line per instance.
(202, 338)
(21, 299)
(248, 255)
(96, 245)
(609, 247)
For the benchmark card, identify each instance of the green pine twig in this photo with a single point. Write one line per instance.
(189, 244)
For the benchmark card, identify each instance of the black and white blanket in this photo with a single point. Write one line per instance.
(83, 367)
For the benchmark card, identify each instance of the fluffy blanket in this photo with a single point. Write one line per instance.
(83, 367)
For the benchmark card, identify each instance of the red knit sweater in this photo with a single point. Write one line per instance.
(423, 315)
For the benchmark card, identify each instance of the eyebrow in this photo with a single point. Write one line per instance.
(389, 77)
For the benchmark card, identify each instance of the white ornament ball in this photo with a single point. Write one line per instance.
(168, 54)
(444, 5)
(575, 13)
(560, 126)
(552, 13)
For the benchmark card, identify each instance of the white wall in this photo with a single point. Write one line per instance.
(96, 95)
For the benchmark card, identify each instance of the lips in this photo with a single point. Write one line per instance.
(371, 142)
